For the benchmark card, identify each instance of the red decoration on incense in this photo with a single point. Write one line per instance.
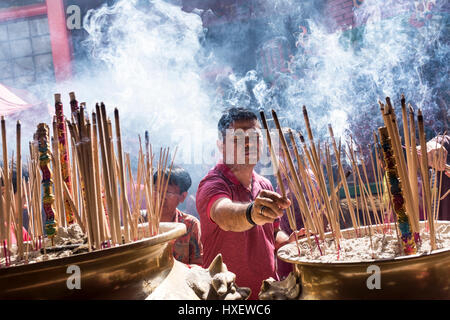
(42, 135)
(64, 155)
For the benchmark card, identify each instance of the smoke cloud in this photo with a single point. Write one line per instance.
(172, 68)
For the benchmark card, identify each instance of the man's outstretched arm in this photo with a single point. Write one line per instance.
(232, 216)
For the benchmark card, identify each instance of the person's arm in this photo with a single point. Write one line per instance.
(281, 237)
(437, 152)
(195, 245)
(231, 216)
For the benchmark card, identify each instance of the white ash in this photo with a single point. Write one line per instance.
(384, 246)
(66, 236)
(71, 235)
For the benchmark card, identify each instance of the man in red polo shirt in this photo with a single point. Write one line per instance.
(239, 211)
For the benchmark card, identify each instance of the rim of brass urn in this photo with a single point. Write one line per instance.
(350, 263)
(128, 271)
(419, 276)
(164, 236)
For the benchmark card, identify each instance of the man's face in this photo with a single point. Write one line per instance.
(242, 143)
(172, 199)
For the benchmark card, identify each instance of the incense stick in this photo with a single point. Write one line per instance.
(63, 148)
(344, 181)
(19, 204)
(6, 182)
(290, 215)
(391, 124)
(321, 179)
(425, 179)
(309, 187)
(395, 190)
(99, 202)
(106, 179)
(42, 135)
(294, 174)
(125, 206)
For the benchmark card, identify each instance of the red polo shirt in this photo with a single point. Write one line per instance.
(248, 254)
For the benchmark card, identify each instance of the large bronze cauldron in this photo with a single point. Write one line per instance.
(129, 271)
(409, 277)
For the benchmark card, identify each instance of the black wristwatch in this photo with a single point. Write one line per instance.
(248, 214)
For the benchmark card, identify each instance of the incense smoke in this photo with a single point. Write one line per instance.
(171, 69)
(148, 67)
(340, 75)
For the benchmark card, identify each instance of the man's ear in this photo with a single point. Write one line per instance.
(219, 144)
(183, 196)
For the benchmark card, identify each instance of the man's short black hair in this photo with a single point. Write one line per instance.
(234, 114)
(178, 177)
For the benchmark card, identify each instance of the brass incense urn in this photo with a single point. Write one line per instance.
(425, 276)
(129, 271)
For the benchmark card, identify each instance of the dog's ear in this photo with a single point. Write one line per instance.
(287, 289)
(217, 266)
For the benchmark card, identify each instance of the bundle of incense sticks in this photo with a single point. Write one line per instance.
(290, 214)
(391, 124)
(34, 205)
(10, 215)
(87, 185)
(63, 150)
(317, 193)
(43, 137)
(396, 194)
(408, 169)
(157, 189)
